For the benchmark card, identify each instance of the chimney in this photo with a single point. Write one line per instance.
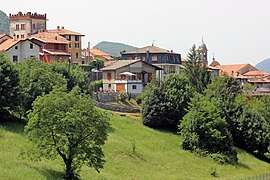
(58, 27)
(63, 27)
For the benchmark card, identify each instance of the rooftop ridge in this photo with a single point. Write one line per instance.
(20, 15)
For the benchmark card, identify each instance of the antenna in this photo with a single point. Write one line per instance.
(153, 43)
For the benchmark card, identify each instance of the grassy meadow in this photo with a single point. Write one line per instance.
(132, 151)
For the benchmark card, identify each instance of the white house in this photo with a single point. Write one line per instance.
(18, 50)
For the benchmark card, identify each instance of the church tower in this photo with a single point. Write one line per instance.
(202, 51)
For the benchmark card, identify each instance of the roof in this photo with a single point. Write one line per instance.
(9, 43)
(3, 35)
(98, 53)
(150, 49)
(123, 63)
(256, 73)
(62, 31)
(56, 53)
(232, 68)
(49, 37)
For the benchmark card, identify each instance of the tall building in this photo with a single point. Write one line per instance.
(23, 25)
(202, 50)
(74, 47)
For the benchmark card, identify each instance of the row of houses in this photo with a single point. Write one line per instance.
(29, 37)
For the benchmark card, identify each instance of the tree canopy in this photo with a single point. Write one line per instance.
(68, 125)
(9, 87)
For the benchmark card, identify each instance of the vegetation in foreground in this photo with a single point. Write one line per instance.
(132, 151)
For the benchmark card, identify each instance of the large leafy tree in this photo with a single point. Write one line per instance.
(36, 78)
(196, 71)
(68, 125)
(227, 89)
(164, 105)
(204, 130)
(74, 75)
(9, 83)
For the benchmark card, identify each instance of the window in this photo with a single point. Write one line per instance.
(18, 36)
(83, 62)
(31, 46)
(69, 45)
(22, 26)
(34, 26)
(16, 47)
(154, 58)
(109, 75)
(77, 55)
(15, 59)
(77, 45)
(77, 38)
(134, 87)
(17, 27)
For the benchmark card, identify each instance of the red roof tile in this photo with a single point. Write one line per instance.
(49, 37)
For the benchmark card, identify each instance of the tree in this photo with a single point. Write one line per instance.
(9, 87)
(253, 129)
(70, 126)
(227, 90)
(204, 130)
(171, 96)
(74, 75)
(36, 78)
(196, 71)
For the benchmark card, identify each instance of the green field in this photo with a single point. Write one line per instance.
(131, 152)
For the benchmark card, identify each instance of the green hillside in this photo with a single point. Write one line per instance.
(113, 48)
(132, 151)
(4, 23)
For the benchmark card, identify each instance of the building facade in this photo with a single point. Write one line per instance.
(169, 61)
(18, 50)
(23, 25)
(75, 43)
(130, 76)
(53, 47)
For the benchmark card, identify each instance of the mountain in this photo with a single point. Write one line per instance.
(4, 23)
(264, 65)
(113, 48)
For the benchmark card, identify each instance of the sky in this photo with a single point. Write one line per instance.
(235, 31)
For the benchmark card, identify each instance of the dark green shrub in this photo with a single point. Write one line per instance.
(204, 130)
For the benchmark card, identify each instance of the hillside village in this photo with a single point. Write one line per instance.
(163, 115)
(29, 37)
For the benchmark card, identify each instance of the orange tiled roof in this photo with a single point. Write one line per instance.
(150, 49)
(63, 32)
(2, 35)
(256, 73)
(229, 68)
(49, 37)
(8, 44)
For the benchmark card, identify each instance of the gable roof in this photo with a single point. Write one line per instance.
(9, 43)
(150, 49)
(63, 32)
(233, 68)
(123, 63)
(3, 35)
(256, 73)
(48, 37)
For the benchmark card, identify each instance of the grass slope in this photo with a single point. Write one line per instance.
(132, 152)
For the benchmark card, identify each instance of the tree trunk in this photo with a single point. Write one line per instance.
(69, 175)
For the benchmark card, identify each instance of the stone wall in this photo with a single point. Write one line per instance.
(117, 108)
(105, 97)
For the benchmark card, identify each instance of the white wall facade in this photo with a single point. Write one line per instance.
(22, 50)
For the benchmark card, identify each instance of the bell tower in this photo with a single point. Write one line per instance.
(202, 51)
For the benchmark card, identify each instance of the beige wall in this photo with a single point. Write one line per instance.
(73, 50)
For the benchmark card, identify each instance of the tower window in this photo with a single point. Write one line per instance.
(17, 27)
(22, 36)
(77, 38)
(34, 26)
(77, 55)
(22, 26)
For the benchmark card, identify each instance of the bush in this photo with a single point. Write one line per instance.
(204, 130)
(164, 105)
(95, 85)
(121, 96)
